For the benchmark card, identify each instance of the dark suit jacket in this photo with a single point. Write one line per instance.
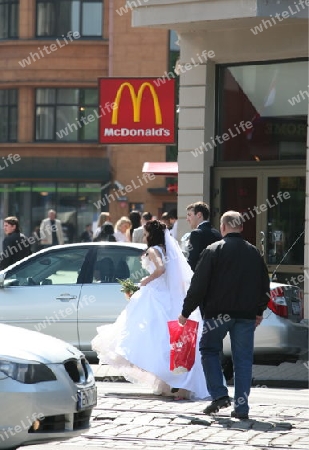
(231, 278)
(200, 238)
(14, 248)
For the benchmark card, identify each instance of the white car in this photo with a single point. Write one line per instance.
(47, 389)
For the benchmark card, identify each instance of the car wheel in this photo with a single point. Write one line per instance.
(227, 367)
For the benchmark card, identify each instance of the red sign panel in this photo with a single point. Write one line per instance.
(137, 111)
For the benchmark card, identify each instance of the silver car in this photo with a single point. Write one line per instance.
(67, 291)
(47, 389)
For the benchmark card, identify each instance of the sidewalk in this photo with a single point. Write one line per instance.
(289, 375)
(130, 417)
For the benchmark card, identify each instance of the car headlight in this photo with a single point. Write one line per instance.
(25, 372)
(89, 372)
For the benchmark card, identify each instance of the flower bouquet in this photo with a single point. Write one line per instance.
(128, 287)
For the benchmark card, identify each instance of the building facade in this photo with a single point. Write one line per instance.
(51, 56)
(243, 118)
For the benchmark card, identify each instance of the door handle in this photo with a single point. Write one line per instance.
(66, 297)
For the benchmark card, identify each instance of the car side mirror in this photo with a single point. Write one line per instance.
(1, 280)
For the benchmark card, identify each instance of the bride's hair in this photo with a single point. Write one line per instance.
(155, 228)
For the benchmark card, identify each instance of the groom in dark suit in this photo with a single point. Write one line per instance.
(202, 233)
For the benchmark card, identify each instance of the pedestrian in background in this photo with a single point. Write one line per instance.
(135, 217)
(202, 233)
(231, 287)
(122, 229)
(87, 234)
(15, 245)
(138, 233)
(51, 230)
(174, 222)
(165, 219)
(103, 218)
(107, 233)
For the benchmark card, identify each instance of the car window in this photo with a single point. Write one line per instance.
(54, 267)
(119, 262)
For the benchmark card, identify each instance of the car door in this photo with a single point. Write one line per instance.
(42, 293)
(101, 299)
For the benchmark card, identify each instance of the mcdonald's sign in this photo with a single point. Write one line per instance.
(137, 111)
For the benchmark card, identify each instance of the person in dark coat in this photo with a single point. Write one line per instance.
(202, 234)
(87, 235)
(107, 233)
(15, 245)
(231, 287)
(135, 217)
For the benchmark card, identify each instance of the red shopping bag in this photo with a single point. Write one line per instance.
(183, 344)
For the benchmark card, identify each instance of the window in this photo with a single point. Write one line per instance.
(8, 114)
(56, 267)
(57, 17)
(9, 19)
(114, 263)
(262, 112)
(66, 115)
(285, 222)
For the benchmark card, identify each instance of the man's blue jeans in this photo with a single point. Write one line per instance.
(242, 341)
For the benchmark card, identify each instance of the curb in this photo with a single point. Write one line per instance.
(289, 384)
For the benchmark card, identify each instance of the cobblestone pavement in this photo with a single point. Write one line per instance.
(128, 417)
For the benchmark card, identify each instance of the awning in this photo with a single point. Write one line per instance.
(161, 168)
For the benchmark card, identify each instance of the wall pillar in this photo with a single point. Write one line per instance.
(27, 18)
(196, 126)
(26, 100)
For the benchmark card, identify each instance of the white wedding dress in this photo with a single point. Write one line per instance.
(138, 345)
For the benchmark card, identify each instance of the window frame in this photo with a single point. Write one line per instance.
(57, 9)
(10, 4)
(80, 104)
(9, 106)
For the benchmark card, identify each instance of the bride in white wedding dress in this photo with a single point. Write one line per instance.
(138, 344)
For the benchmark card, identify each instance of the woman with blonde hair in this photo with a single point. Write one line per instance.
(122, 229)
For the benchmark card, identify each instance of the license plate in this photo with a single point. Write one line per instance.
(86, 398)
(295, 308)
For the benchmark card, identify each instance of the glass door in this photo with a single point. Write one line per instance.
(285, 221)
(272, 202)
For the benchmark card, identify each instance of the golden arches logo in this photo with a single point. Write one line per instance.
(136, 102)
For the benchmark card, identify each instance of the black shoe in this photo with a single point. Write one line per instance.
(216, 405)
(240, 416)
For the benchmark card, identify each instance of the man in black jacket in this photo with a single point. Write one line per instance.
(15, 245)
(231, 286)
(202, 233)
